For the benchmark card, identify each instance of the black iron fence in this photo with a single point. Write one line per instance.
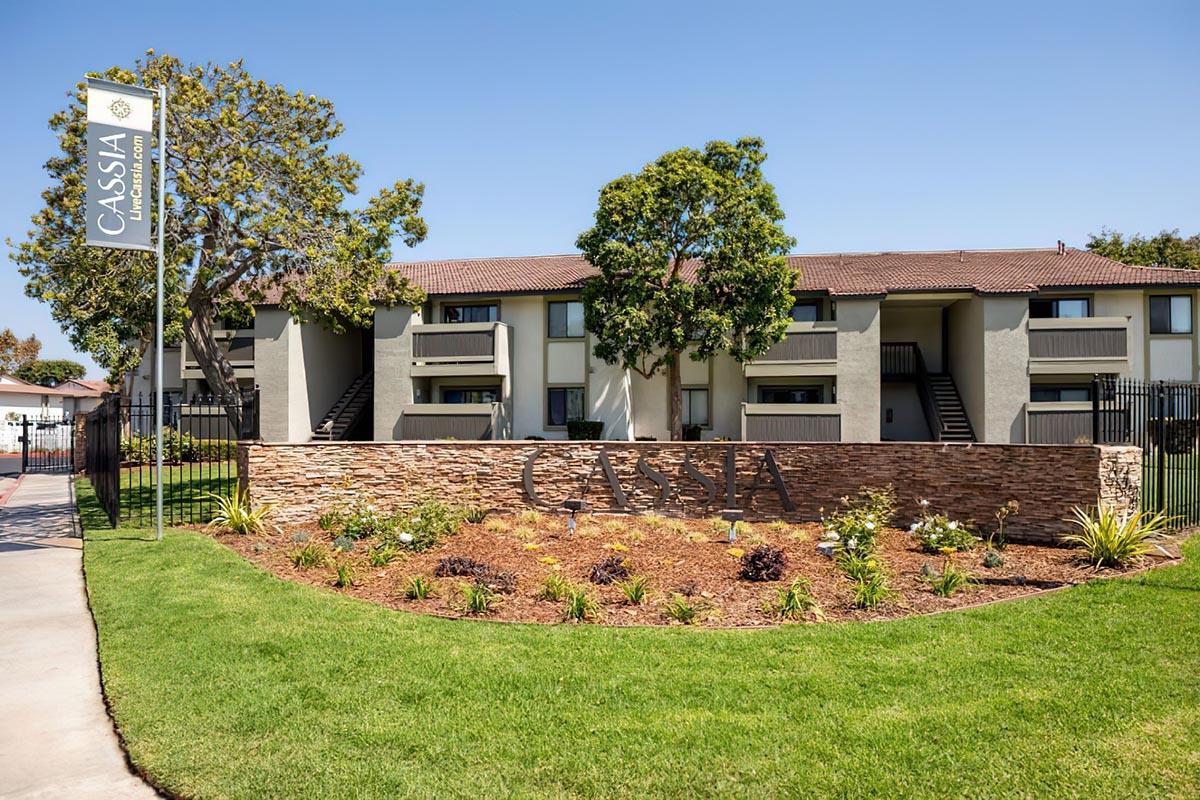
(199, 441)
(1163, 419)
(47, 443)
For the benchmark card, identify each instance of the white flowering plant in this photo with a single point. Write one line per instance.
(937, 533)
(855, 528)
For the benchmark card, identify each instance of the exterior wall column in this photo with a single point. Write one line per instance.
(1006, 369)
(277, 356)
(393, 369)
(858, 369)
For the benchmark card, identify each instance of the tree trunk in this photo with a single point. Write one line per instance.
(675, 382)
(213, 362)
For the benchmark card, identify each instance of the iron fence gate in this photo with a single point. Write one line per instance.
(1163, 419)
(199, 441)
(47, 443)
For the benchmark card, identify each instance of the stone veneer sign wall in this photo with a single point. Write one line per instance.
(793, 481)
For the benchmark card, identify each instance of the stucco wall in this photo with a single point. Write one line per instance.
(965, 481)
(908, 419)
(1006, 369)
(1128, 304)
(923, 325)
(966, 357)
(393, 368)
(858, 369)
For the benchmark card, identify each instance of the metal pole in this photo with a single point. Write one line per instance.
(1095, 409)
(158, 315)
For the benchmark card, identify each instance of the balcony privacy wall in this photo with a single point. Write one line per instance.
(768, 481)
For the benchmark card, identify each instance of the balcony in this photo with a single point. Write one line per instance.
(808, 348)
(791, 422)
(1085, 345)
(1071, 423)
(461, 348)
(238, 346)
(462, 421)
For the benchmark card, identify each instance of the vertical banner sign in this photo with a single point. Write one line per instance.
(120, 119)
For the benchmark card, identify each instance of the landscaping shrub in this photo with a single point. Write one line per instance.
(363, 519)
(466, 567)
(343, 544)
(1113, 538)
(381, 555)
(476, 514)
(763, 563)
(309, 555)
(856, 567)
(419, 588)
(579, 606)
(998, 539)
(343, 575)
(584, 429)
(680, 609)
(992, 559)
(872, 591)
(951, 580)
(479, 598)
(937, 533)
(794, 601)
(634, 589)
(139, 448)
(555, 587)
(856, 527)
(236, 515)
(609, 570)
(426, 525)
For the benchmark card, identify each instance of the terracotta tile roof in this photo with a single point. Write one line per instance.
(838, 274)
(985, 271)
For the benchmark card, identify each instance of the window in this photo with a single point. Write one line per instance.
(470, 313)
(789, 394)
(472, 395)
(563, 404)
(695, 407)
(1171, 314)
(806, 312)
(564, 319)
(1060, 394)
(1060, 308)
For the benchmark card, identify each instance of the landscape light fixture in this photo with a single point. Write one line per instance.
(733, 516)
(573, 507)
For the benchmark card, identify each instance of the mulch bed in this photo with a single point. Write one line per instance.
(685, 557)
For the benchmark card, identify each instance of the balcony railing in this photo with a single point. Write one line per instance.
(462, 348)
(464, 421)
(1086, 344)
(791, 422)
(238, 346)
(808, 348)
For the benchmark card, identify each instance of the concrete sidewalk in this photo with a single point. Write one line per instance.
(56, 740)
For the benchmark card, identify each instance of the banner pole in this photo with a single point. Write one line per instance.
(158, 314)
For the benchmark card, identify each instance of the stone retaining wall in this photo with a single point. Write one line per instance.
(793, 481)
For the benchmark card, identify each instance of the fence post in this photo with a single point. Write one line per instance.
(1095, 409)
(24, 443)
(1160, 436)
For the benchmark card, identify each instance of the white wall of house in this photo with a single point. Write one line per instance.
(858, 369)
(14, 406)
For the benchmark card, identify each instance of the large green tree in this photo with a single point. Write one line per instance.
(16, 352)
(256, 200)
(692, 258)
(55, 370)
(1166, 249)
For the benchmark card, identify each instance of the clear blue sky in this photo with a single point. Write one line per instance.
(949, 125)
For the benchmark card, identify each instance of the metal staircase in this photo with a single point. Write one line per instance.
(940, 400)
(349, 410)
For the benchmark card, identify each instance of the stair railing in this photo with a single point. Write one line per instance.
(929, 404)
(343, 403)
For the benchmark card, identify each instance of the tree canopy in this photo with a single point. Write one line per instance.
(256, 199)
(16, 352)
(54, 371)
(692, 258)
(1166, 249)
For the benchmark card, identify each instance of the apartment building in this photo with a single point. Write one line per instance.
(988, 346)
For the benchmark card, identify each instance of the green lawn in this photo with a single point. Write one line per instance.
(186, 489)
(228, 682)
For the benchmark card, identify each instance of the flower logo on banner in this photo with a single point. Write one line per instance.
(119, 108)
